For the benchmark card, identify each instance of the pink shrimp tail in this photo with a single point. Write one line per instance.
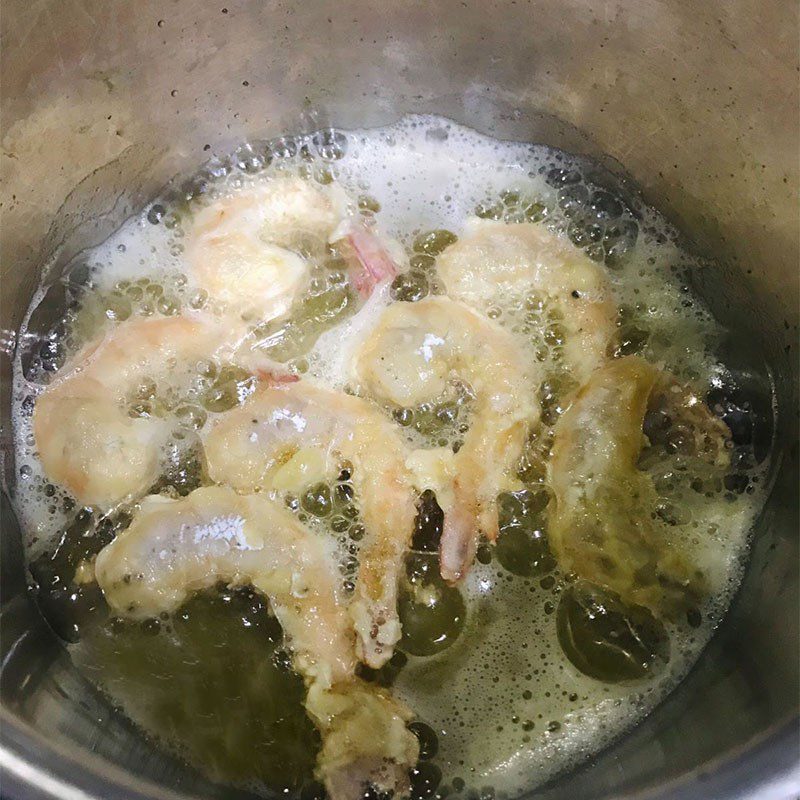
(464, 522)
(370, 263)
(458, 544)
(271, 378)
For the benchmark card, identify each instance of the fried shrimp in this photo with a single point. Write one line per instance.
(85, 438)
(496, 260)
(414, 354)
(247, 447)
(174, 548)
(243, 249)
(602, 512)
(249, 250)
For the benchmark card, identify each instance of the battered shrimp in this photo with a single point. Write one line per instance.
(246, 448)
(413, 354)
(494, 261)
(86, 440)
(602, 512)
(243, 248)
(176, 547)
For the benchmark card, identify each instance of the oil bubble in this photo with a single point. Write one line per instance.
(607, 640)
(431, 612)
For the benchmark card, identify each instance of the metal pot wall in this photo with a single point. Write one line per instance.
(104, 100)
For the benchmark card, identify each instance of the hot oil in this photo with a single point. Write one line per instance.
(483, 665)
(213, 683)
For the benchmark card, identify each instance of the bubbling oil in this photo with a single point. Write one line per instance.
(508, 687)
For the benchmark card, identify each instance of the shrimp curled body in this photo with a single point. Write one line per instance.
(246, 447)
(176, 547)
(86, 440)
(415, 352)
(243, 249)
(493, 261)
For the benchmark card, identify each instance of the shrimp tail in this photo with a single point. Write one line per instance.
(275, 378)
(459, 541)
(365, 740)
(369, 262)
(268, 371)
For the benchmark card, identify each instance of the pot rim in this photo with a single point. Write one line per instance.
(738, 773)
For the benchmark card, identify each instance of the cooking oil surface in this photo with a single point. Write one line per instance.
(214, 681)
(493, 668)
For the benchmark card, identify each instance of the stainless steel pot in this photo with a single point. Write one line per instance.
(103, 100)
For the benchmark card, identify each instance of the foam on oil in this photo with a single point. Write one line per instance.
(509, 708)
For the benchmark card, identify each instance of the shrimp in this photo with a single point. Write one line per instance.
(176, 547)
(411, 356)
(246, 448)
(365, 741)
(86, 440)
(496, 260)
(602, 526)
(243, 248)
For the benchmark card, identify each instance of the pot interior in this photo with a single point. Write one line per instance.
(694, 107)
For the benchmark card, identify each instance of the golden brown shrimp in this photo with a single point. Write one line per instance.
(602, 512)
(413, 354)
(86, 440)
(176, 547)
(494, 261)
(246, 448)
